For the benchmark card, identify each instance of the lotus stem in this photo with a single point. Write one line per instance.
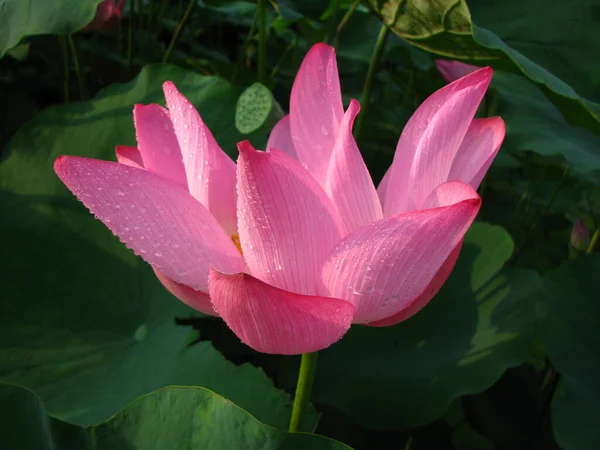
(333, 22)
(262, 41)
(243, 49)
(77, 65)
(62, 40)
(373, 65)
(177, 32)
(593, 242)
(306, 376)
(343, 22)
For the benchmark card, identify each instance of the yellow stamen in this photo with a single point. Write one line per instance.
(236, 241)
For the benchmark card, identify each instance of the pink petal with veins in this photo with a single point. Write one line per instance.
(155, 217)
(287, 224)
(272, 320)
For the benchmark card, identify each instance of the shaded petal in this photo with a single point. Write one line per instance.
(281, 139)
(348, 183)
(130, 156)
(383, 268)
(430, 141)
(316, 109)
(287, 224)
(430, 291)
(210, 172)
(383, 185)
(156, 218)
(157, 143)
(478, 150)
(272, 320)
(453, 70)
(198, 300)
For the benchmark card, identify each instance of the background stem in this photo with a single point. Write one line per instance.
(177, 32)
(78, 70)
(366, 93)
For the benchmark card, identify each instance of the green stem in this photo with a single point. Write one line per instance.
(366, 93)
(243, 49)
(593, 241)
(77, 65)
(289, 48)
(177, 32)
(65, 56)
(262, 41)
(306, 376)
(343, 22)
(333, 21)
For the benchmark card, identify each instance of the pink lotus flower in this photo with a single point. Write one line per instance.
(107, 16)
(294, 244)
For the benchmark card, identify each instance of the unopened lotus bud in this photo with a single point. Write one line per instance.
(580, 236)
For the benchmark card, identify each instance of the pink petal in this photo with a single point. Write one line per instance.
(287, 224)
(316, 109)
(453, 70)
(271, 320)
(210, 172)
(191, 297)
(383, 268)
(130, 156)
(157, 143)
(155, 217)
(430, 291)
(348, 183)
(281, 139)
(430, 141)
(477, 151)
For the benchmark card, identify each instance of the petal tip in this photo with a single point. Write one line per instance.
(322, 47)
(354, 106)
(59, 162)
(245, 147)
(168, 86)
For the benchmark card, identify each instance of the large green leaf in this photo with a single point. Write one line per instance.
(569, 320)
(25, 425)
(20, 18)
(85, 324)
(500, 33)
(182, 418)
(535, 124)
(405, 375)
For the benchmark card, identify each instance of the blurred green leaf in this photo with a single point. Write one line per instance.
(569, 319)
(533, 123)
(85, 323)
(19, 18)
(500, 33)
(479, 324)
(182, 418)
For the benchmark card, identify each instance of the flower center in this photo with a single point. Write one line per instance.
(236, 241)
